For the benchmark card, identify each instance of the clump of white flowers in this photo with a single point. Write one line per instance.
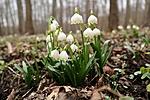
(135, 27)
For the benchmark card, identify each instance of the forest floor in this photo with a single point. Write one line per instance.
(119, 78)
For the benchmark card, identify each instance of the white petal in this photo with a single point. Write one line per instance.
(63, 55)
(61, 36)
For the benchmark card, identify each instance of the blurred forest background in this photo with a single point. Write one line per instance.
(32, 16)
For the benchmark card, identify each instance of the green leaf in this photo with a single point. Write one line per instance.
(24, 66)
(19, 68)
(144, 76)
(148, 87)
(126, 98)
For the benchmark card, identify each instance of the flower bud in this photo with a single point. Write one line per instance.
(70, 38)
(92, 19)
(52, 27)
(76, 19)
(61, 36)
(96, 31)
(63, 55)
(55, 54)
(74, 48)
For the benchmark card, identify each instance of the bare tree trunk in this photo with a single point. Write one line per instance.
(61, 13)
(54, 8)
(20, 16)
(113, 15)
(7, 18)
(148, 15)
(87, 9)
(127, 18)
(29, 22)
(136, 12)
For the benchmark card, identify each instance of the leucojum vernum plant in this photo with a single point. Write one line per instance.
(70, 63)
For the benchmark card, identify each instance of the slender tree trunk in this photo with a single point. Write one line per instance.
(29, 22)
(127, 18)
(136, 12)
(7, 18)
(148, 15)
(113, 15)
(87, 9)
(54, 8)
(61, 13)
(20, 16)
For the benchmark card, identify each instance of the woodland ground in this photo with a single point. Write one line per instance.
(14, 49)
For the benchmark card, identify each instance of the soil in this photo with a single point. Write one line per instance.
(17, 48)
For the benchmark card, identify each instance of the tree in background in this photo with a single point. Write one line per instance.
(148, 14)
(127, 18)
(29, 23)
(20, 16)
(113, 15)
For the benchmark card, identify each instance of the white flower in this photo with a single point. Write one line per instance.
(74, 47)
(49, 46)
(76, 19)
(128, 27)
(137, 28)
(55, 23)
(38, 39)
(55, 54)
(92, 19)
(52, 27)
(70, 38)
(120, 27)
(114, 31)
(88, 33)
(48, 39)
(63, 55)
(61, 36)
(78, 31)
(96, 31)
(134, 26)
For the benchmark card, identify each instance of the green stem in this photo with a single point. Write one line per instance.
(82, 39)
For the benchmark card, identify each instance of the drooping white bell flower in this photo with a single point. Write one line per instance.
(128, 27)
(48, 39)
(76, 19)
(114, 31)
(74, 48)
(52, 27)
(55, 23)
(96, 31)
(120, 27)
(88, 33)
(61, 36)
(63, 55)
(92, 19)
(134, 26)
(70, 38)
(55, 54)
(137, 28)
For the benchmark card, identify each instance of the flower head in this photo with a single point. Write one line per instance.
(92, 19)
(70, 38)
(76, 19)
(96, 31)
(55, 23)
(52, 27)
(63, 55)
(55, 54)
(88, 33)
(74, 48)
(120, 27)
(61, 36)
(128, 27)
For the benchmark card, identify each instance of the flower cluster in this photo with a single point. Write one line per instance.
(69, 62)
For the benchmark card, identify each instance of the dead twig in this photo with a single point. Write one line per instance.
(107, 88)
(27, 92)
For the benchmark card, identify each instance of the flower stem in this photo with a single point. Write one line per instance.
(81, 31)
